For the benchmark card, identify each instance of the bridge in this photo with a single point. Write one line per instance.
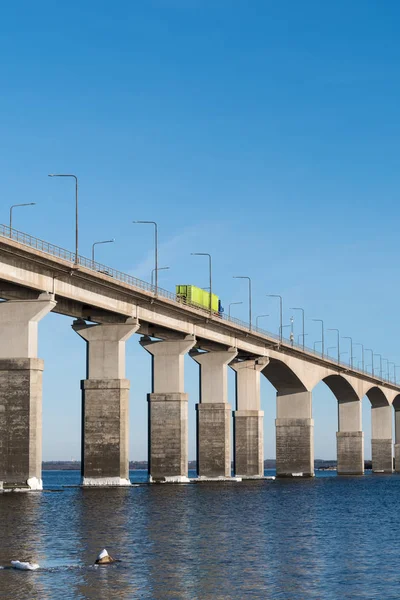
(108, 307)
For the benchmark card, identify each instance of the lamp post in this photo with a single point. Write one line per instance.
(97, 243)
(302, 311)
(315, 343)
(380, 363)
(210, 273)
(395, 372)
(391, 363)
(362, 350)
(322, 327)
(280, 313)
(301, 335)
(15, 206)
(76, 211)
(229, 307)
(387, 365)
(372, 359)
(159, 269)
(338, 343)
(259, 317)
(347, 337)
(330, 348)
(249, 280)
(155, 248)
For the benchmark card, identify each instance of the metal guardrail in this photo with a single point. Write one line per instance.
(47, 248)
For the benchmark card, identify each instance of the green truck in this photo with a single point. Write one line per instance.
(190, 294)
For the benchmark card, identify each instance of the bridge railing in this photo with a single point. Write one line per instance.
(47, 248)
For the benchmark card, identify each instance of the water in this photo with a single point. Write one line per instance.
(327, 538)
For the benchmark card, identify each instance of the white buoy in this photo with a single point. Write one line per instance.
(104, 558)
(24, 566)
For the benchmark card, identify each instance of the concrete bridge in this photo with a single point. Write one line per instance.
(109, 307)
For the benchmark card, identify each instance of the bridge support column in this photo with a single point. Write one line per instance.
(350, 439)
(213, 415)
(105, 404)
(168, 410)
(382, 442)
(397, 440)
(21, 392)
(248, 423)
(294, 434)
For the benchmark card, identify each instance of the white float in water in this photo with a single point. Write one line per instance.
(24, 566)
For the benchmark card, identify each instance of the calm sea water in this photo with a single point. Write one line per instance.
(326, 538)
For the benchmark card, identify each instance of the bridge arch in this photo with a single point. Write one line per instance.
(283, 378)
(294, 424)
(396, 406)
(381, 430)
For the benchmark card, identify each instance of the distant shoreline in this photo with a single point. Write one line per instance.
(74, 465)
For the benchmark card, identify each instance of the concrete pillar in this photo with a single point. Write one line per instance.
(21, 392)
(168, 410)
(397, 439)
(350, 439)
(248, 419)
(213, 414)
(105, 404)
(382, 442)
(294, 434)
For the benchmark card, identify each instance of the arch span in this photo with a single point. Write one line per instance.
(294, 424)
(396, 406)
(381, 431)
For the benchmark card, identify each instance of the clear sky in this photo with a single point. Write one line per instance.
(263, 132)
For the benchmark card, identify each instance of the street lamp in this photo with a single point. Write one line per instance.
(210, 273)
(391, 363)
(301, 335)
(346, 337)
(97, 243)
(362, 349)
(338, 343)
(159, 269)
(229, 307)
(259, 317)
(322, 327)
(249, 280)
(395, 372)
(372, 359)
(330, 348)
(315, 343)
(380, 362)
(76, 210)
(155, 248)
(280, 312)
(14, 206)
(302, 310)
(387, 365)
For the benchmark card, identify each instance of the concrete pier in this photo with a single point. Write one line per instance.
(382, 442)
(396, 406)
(168, 410)
(248, 419)
(213, 414)
(105, 404)
(21, 392)
(294, 434)
(350, 438)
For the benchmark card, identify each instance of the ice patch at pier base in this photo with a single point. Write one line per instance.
(35, 484)
(202, 478)
(258, 477)
(170, 479)
(105, 482)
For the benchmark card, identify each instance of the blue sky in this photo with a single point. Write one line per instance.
(264, 133)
